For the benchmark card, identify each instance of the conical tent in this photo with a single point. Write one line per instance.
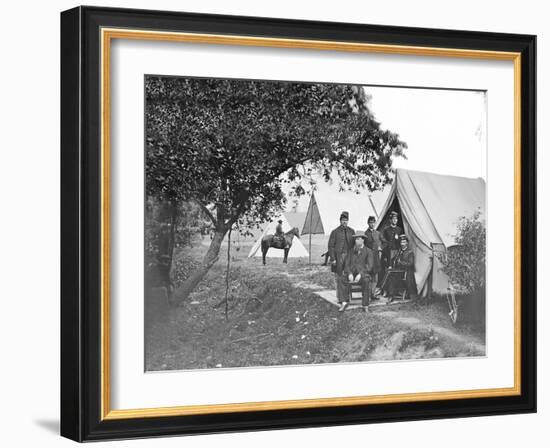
(430, 206)
(296, 250)
(295, 219)
(327, 202)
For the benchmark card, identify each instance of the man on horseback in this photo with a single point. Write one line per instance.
(279, 237)
(274, 241)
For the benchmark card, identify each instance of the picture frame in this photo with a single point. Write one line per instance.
(86, 37)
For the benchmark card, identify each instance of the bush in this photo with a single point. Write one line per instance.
(464, 263)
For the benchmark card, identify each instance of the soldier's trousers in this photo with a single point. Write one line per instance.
(341, 288)
(374, 283)
(366, 291)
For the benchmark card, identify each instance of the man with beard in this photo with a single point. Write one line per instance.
(358, 269)
(339, 244)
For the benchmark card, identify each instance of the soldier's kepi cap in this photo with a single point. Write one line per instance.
(403, 237)
(371, 219)
(392, 214)
(344, 215)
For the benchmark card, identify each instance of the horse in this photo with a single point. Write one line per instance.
(270, 240)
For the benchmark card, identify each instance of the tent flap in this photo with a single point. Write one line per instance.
(431, 206)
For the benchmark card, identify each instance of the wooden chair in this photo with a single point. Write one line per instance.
(355, 292)
(397, 278)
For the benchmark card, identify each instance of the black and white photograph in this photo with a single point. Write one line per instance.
(275, 224)
(309, 223)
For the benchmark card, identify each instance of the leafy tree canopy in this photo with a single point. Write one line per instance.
(232, 145)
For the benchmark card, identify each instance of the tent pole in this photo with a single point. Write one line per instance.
(373, 207)
(431, 275)
(310, 248)
(310, 221)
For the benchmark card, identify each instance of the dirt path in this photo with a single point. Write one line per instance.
(472, 343)
(286, 314)
(469, 341)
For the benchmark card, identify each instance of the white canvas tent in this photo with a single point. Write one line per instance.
(429, 206)
(327, 202)
(296, 250)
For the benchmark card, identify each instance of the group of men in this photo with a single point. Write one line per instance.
(364, 257)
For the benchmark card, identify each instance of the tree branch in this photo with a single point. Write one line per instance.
(204, 208)
(240, 210)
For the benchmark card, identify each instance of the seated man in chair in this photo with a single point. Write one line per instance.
(405, 261)
(358, 268)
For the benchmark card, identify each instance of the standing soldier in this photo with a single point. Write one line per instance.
(390, 241)
(339, 244)
(373, 241)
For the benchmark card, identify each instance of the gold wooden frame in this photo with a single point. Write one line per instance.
(107, 35)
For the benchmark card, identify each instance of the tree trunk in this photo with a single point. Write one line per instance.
(161, 272)
(198, 274)
(173, 224)
(227, 275)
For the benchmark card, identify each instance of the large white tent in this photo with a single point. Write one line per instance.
(296, 250)
(328, 201)
(430, 206)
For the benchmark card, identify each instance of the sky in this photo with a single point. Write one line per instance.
(445, 130)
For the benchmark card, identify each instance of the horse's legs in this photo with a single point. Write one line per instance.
(286, 256)
(264, 252)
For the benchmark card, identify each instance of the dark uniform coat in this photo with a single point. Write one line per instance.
(390, 243)
(359, 261)
(373, 241)
(405, 260)
(339, 244)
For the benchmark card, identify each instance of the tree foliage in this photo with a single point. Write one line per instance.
(186, 217)
(228, 143)
(464, 263)
(234, 147)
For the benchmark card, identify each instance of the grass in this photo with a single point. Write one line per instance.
(273, 321)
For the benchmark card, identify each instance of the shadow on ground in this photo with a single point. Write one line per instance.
(49, 425)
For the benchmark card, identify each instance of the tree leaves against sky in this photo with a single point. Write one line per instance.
(232, 145)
